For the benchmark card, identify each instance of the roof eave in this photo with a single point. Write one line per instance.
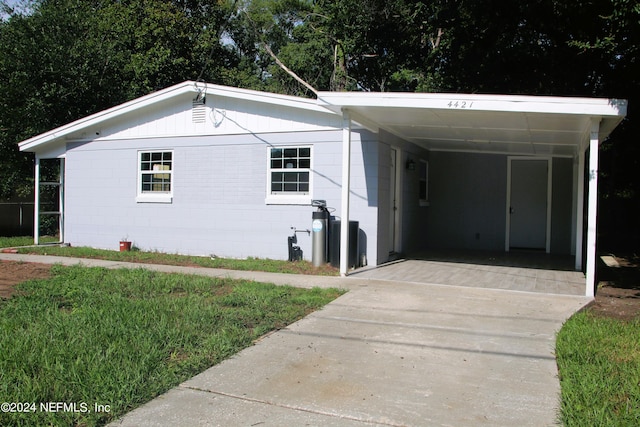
(336, 101)
(45, 138)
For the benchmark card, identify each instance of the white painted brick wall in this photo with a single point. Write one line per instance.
(219, 194)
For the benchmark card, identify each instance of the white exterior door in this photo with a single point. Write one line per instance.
(529, 204)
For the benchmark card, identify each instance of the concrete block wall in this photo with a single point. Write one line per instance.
(468, 194)
(219, 189)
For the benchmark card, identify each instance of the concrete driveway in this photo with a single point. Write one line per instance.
(387, 353)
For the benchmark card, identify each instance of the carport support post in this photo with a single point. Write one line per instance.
(36, 203)
(61, 200)
(346, 174)
(592, 207)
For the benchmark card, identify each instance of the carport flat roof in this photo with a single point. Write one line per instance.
(511, 124)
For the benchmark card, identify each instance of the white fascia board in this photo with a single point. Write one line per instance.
(264, 97)
(474, 102)
(97, 118)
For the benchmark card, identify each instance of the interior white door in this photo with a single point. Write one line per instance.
(528, 207)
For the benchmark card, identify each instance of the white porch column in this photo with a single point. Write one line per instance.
(61, 200)
(592, 207)
(346, 175)
(36, 204)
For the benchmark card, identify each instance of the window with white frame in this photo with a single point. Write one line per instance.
(289, 174)
(423, 181)
(155, 176)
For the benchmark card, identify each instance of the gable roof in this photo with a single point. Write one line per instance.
(185, 88)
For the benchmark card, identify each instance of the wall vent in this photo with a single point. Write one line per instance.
(198, 110)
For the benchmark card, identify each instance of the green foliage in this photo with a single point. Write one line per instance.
(485, 46)
(599, 364)
(122, 337)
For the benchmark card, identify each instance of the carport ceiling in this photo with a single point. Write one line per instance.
(518, 125)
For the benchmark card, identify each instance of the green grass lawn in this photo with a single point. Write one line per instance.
(599, 364)
(7, 242)
(249, 264)
(93, 336)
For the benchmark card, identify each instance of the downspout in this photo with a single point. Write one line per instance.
(592, 207)
(36, 203)
(346, 175)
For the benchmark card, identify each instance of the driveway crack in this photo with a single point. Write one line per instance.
(295, 407)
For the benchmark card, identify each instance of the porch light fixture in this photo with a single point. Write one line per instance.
(411, 165)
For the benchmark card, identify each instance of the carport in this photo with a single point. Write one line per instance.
(526, 135)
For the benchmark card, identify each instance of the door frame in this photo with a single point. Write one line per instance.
(549, 160)
(394, 234)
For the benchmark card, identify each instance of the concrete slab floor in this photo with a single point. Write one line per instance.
(527, 272)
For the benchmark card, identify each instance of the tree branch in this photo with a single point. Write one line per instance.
(435, 43)
(287, 70)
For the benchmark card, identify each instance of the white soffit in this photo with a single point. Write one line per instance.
(486, 123)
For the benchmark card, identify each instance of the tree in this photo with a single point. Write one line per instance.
(65, 59)
(338, 45)
(612, 46)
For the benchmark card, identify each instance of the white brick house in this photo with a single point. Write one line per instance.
(204, 169)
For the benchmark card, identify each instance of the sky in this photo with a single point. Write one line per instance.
(18, 5)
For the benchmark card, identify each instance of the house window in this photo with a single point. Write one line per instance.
(155, 176)
(423, 182)
(289, 179)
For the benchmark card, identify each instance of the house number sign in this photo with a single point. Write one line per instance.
(460, 104)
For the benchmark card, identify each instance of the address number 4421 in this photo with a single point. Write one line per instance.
(460, 104)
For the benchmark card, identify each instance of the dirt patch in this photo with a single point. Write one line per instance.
(618, 293)
(619, 303)
(12, 273)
